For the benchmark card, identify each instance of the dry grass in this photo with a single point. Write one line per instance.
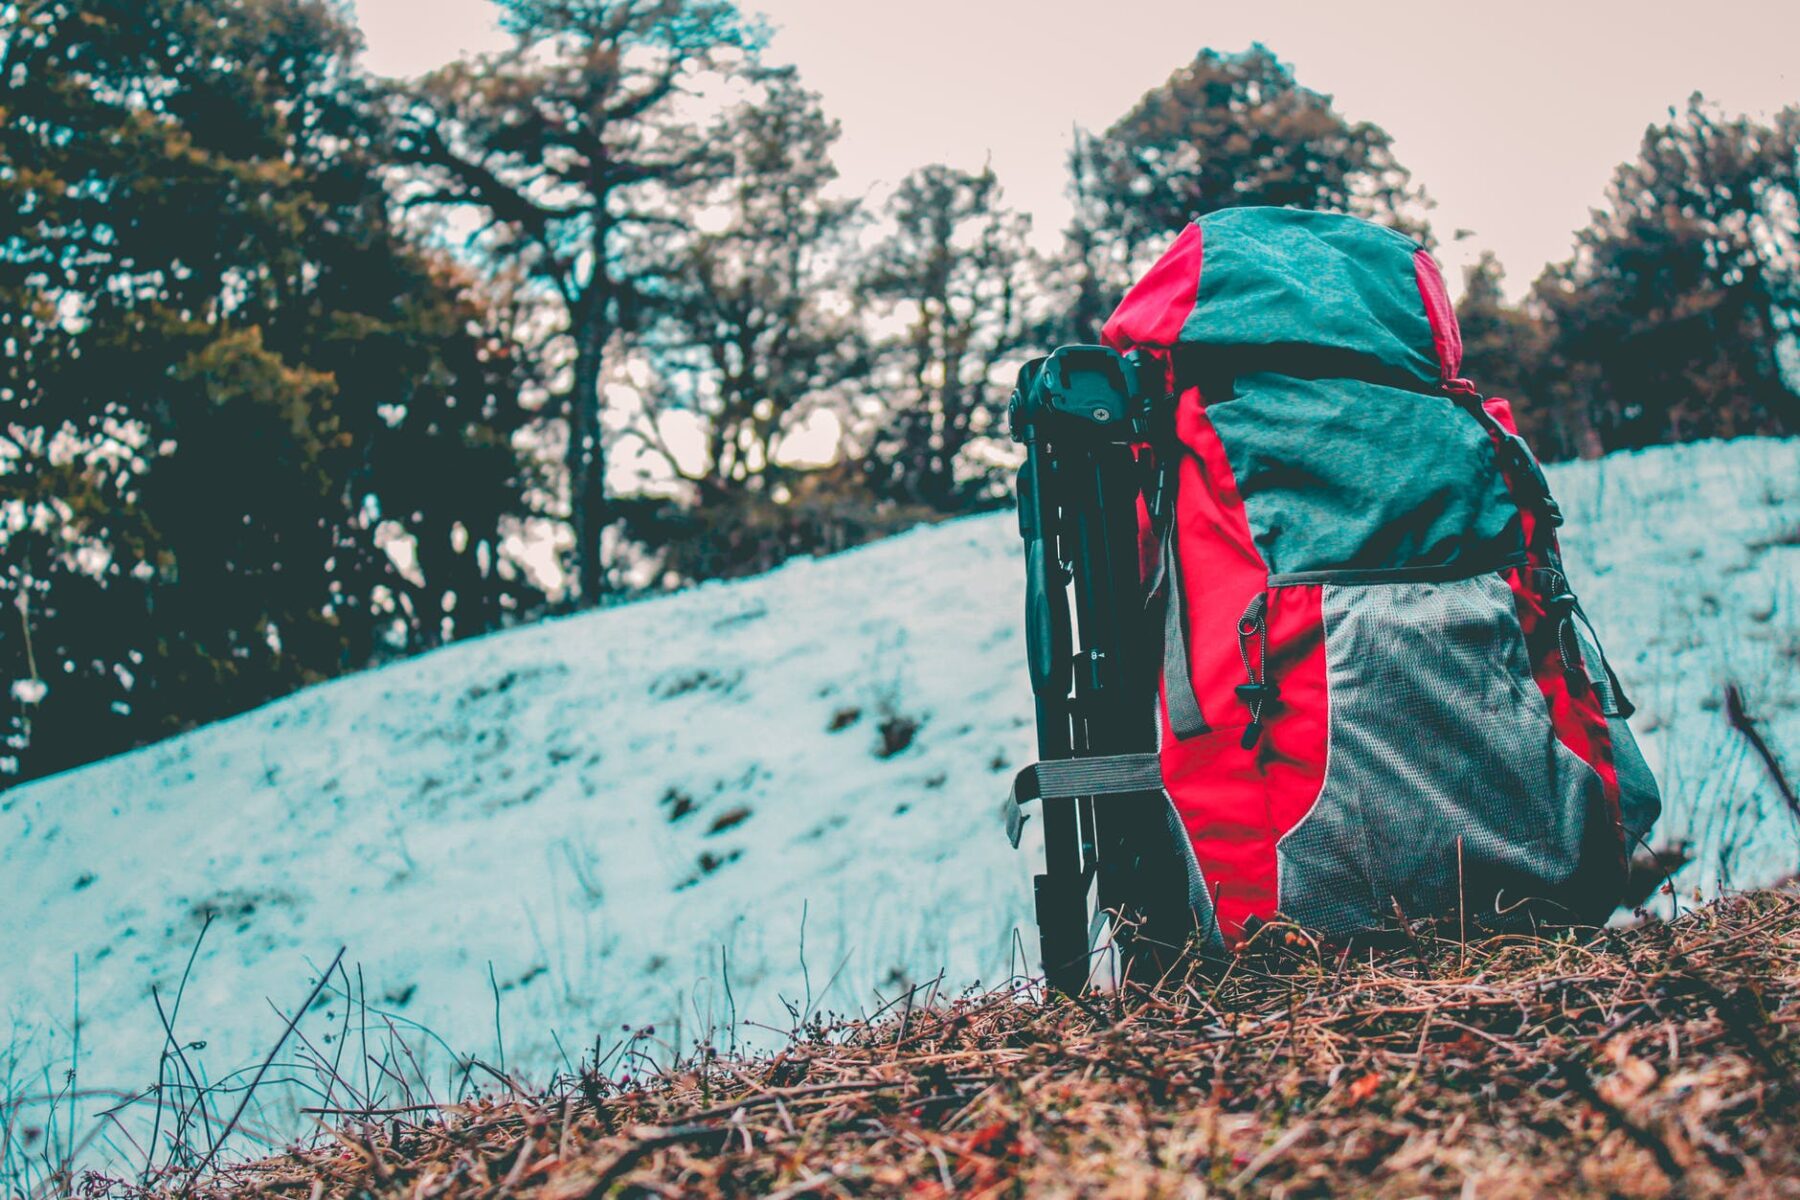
(1656, 1061)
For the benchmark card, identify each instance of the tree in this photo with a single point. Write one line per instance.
(1506, 351)
(1670, 318)
(757, 331)
(1226, 130)
(756, 338)
(955, 273)
(569, 146)
(254, 436)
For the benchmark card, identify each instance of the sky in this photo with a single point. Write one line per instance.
(1512, 115)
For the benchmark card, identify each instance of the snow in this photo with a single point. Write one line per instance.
(683, 812)
(1688, 559)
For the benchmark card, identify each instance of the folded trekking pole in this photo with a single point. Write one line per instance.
(1090, 419)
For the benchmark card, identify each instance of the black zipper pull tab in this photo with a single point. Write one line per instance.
(1255, 695)
(1260, 692)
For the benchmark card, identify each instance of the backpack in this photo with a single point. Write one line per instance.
(1378, 699)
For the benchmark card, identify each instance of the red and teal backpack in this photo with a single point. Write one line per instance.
(1380, 697)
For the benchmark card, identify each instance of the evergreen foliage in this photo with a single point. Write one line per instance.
(237, 399)
(1223, 131)
(578, 153)
(1677, 316)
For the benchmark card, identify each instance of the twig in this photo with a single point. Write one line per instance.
(1741, 720)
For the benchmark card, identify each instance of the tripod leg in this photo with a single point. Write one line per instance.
(1061, 891)
(1142, 877)
(1062, 915)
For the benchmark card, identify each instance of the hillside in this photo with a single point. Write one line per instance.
(724, 811)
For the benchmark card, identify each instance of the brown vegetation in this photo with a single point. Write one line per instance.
(1657, 1060)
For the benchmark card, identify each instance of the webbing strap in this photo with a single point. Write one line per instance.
(1061, 778)
(1178, 683)
(1524, 474)
(1621, 705)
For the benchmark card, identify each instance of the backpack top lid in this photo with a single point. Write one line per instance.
(1353, 297)
(1323, 352)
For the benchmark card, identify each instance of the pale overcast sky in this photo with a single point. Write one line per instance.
(1512, 115)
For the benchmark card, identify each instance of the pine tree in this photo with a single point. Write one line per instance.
(572, 147)
(1505, 353)
(254, 437)
(1670, 319)
(1223, 131)
(758, 331)
(756, 340)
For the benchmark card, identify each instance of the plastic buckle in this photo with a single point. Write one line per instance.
(1015, 821)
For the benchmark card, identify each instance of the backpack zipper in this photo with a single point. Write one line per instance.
(1451, 572)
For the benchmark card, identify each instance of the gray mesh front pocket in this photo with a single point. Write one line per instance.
(1437, 733)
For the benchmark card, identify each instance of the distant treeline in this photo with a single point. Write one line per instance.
(306, 369)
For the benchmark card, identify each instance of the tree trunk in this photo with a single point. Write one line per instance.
(586, 460)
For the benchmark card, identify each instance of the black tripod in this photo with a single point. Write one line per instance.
(1111, 854)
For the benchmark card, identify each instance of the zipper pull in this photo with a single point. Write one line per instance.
(1559, 603)
(1255, 695)
(1260, 692)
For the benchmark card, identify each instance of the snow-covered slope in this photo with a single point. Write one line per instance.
(780, 792)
